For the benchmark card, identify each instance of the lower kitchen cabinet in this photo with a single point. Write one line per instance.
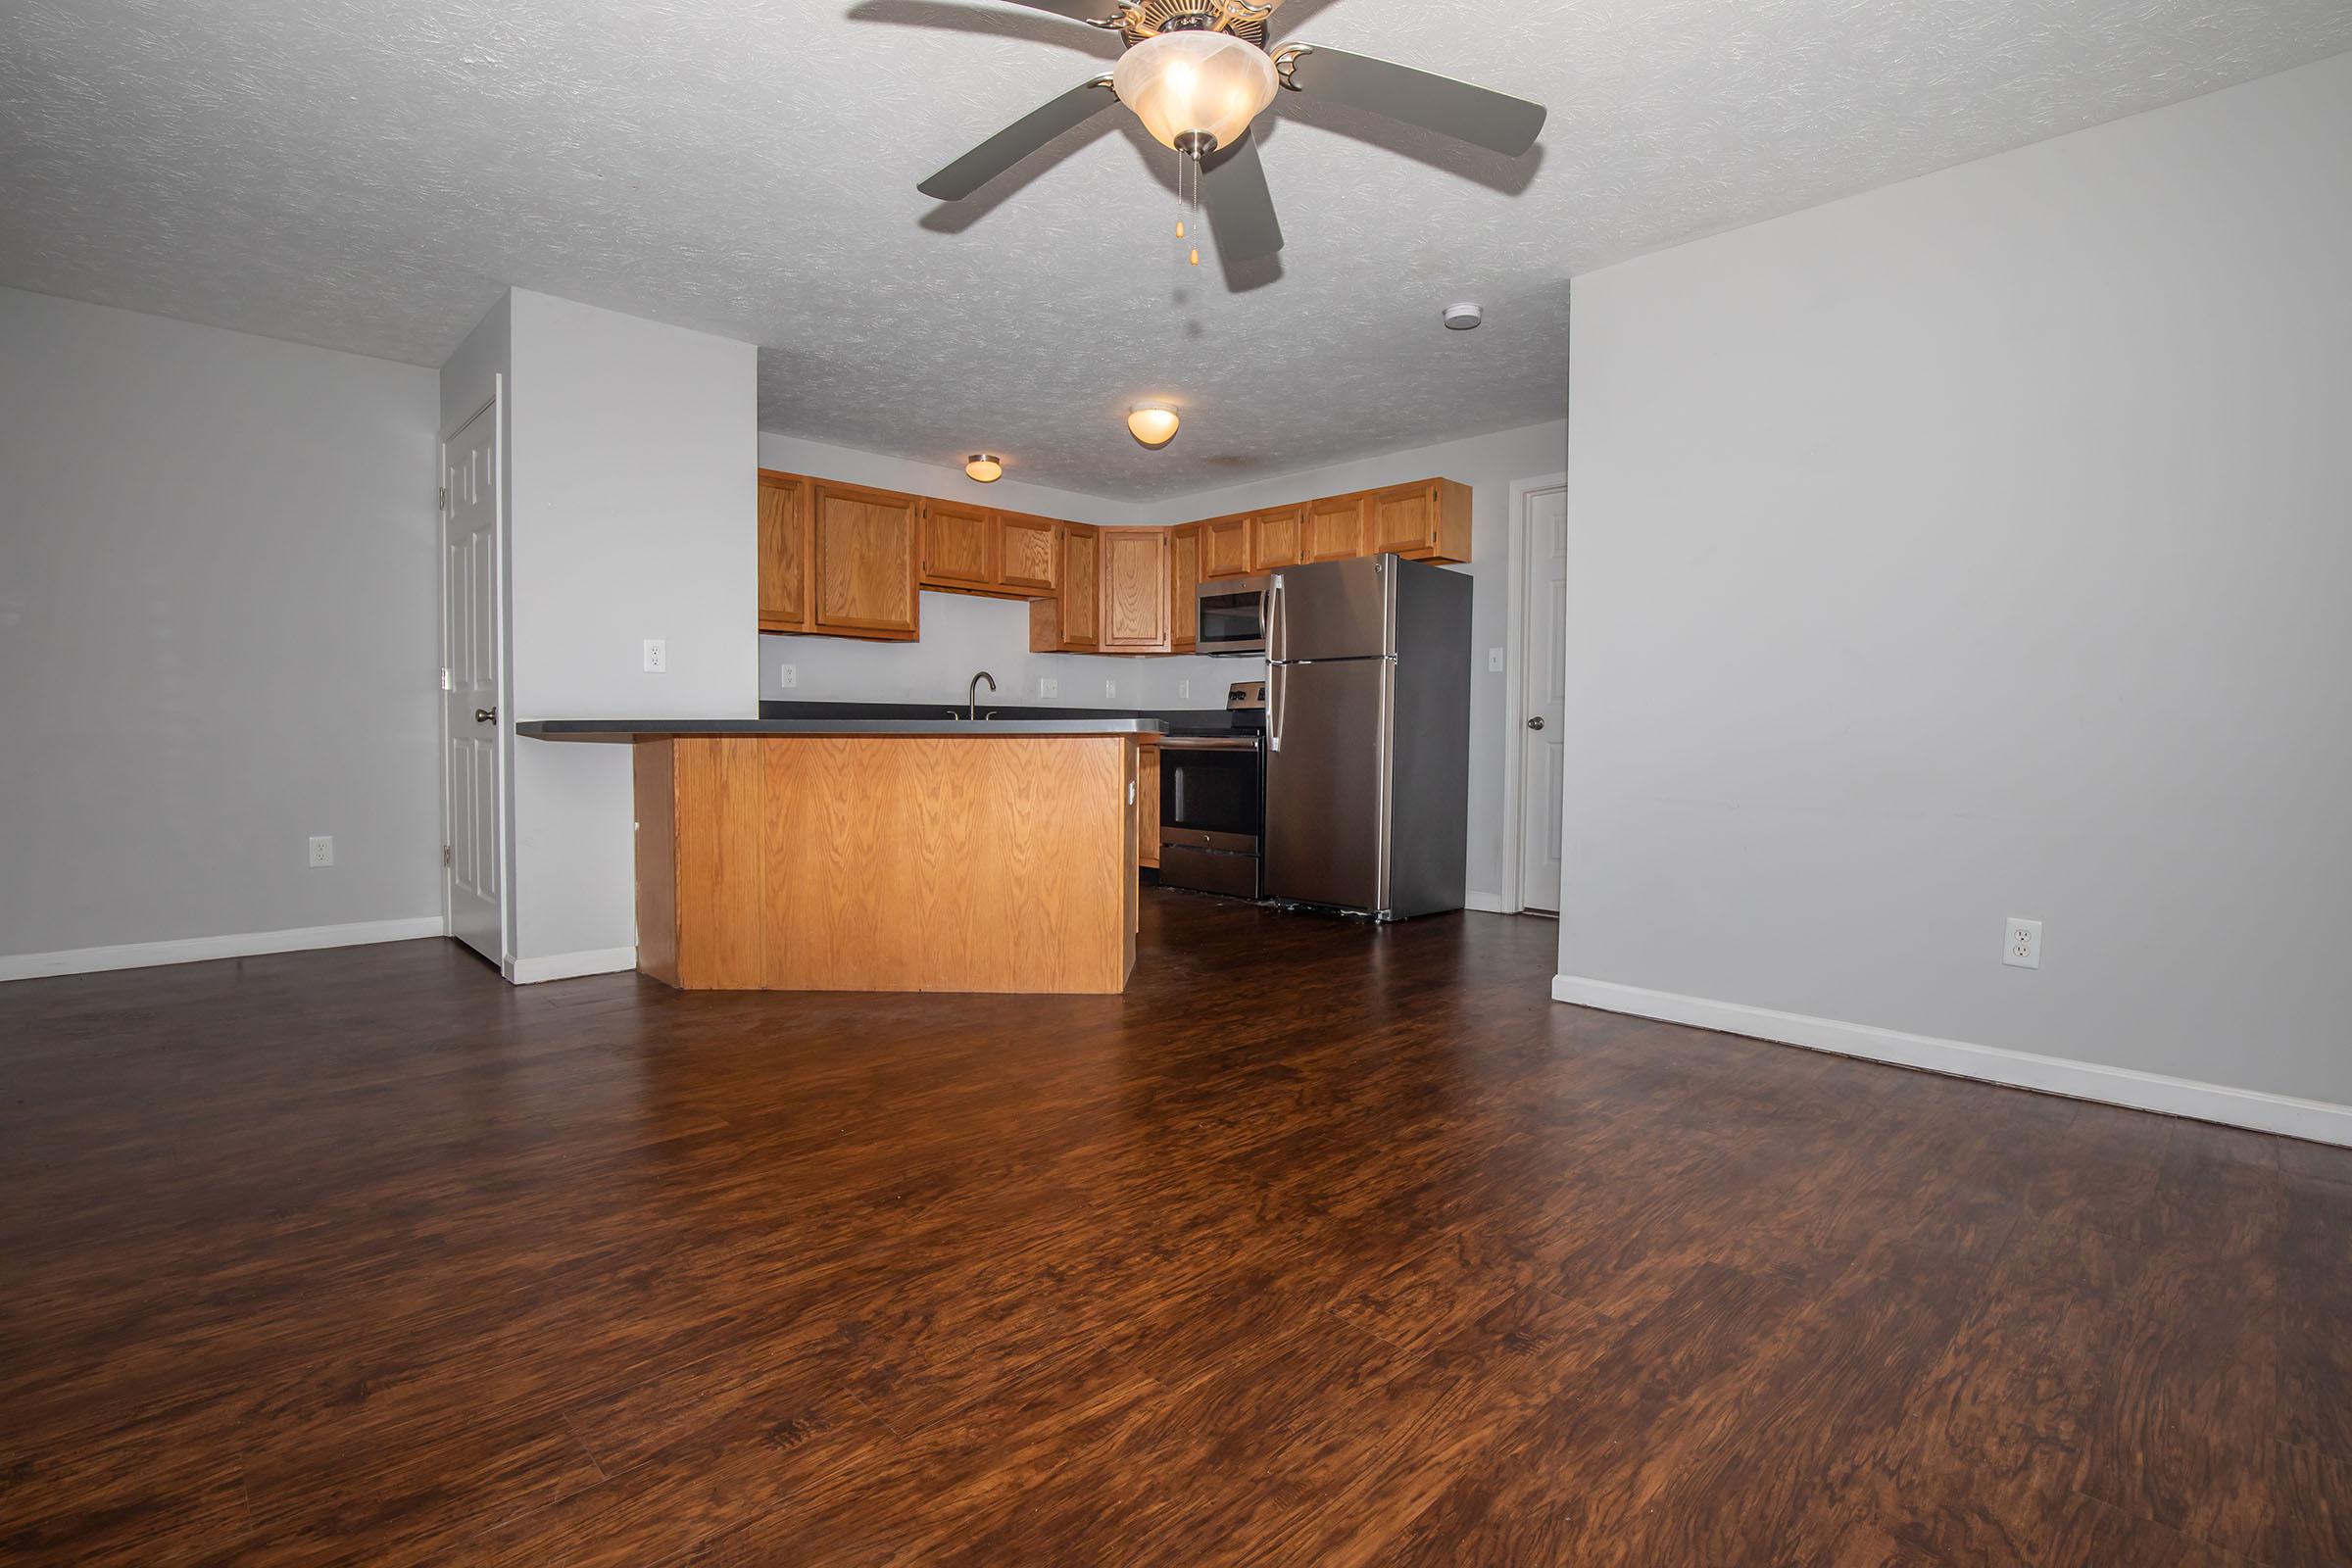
(1147, 803)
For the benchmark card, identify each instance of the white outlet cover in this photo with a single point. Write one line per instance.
(1183, 688)
(1111, 687)
(1048, 686)
(2021, 944)
(788, 676)
(657, 656)
(323, 849)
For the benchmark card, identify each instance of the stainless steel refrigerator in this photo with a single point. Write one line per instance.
(1368, 736)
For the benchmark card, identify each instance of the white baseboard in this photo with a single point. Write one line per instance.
(1485, 903)
(196, 950)
(2312, 1120)
(570, 965)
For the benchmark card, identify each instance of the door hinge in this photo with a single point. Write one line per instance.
(445, 498)
(445, 855)
(444, 686)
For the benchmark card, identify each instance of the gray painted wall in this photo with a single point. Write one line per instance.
(218, 613)
(632, 469)
(1976, 548)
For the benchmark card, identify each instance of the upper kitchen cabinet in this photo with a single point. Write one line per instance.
(1069, 621)
(1225, 547)
(1427, 520)
(1184, 583)
(1277, 538)
(865, 560)
(783, 552)
(1337, 528)
(1135, 590)
(961, 546)
(1030, 553)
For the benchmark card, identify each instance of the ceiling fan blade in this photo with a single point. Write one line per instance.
(1019, 139)
(1075, 9)
(1233, 188)
(1480, 116)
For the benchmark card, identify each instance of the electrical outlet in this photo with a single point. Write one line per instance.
(1048, 686)
(1493, 660)
(1183, 688)
(2021, 944)
(1111, 687)
(657, 656)
(788, 676)
(323, 849)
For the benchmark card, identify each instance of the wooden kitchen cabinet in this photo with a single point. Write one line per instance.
(1426, 521)
(1147, 803)
(1225, 547)
(1337, 528)
(783, 552)
(961, 546)
(1029, 554)
(1135, 590)
(1184, 585)
(1277, 538)
(864, 562)
(1069, 622)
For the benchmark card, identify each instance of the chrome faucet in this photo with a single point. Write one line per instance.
(971, 693)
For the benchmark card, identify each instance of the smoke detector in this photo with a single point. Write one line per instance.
(1463, 317)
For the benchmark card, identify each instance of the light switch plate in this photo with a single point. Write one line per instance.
(1493, 660)
(1048, 686)
(1183, 688)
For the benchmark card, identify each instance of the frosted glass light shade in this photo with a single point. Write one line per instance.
(1209, 84)
(1152, 424)
(985, 466)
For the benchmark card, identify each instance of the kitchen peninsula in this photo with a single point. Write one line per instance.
(881, 855)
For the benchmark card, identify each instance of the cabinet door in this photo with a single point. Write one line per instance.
(783, 552)
(865, 560)
(1225, 547)
(1135, 589)
(1080, 627)
(1277, 538)
(960, 545)
(1337, 527)
(1184, 583)
(1405, 519)
(1029, 558)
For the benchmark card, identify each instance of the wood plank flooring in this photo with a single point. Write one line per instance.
(1320, 1246)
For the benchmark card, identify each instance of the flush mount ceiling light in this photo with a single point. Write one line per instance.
(985, 466)
(1198, 72)
(1153, 423)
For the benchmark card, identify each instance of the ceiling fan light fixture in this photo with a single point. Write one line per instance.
(1153, 423)
(1195, 90)
(985, 466)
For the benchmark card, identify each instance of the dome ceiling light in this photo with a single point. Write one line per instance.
(1153, 423)
(985, 466)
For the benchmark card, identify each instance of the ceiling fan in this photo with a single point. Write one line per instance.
(1198, 72)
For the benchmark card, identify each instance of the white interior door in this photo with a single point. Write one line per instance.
(469, 655)
(1542, 687)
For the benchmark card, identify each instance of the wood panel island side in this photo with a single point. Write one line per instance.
(804, 855)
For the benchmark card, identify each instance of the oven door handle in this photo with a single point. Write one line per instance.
(1206, 743)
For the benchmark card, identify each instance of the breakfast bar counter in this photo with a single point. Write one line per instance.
(881, 855)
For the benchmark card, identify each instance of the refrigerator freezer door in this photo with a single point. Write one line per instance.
(1327, 783)
(1334, 610)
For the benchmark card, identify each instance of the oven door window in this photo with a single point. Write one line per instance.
(1216, 791)
(1230, 620)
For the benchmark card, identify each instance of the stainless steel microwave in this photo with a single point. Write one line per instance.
(1233, 616)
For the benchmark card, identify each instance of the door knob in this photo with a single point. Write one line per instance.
(1536, 722)
(485, 715)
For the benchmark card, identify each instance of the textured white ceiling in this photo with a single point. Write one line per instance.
(368, 177)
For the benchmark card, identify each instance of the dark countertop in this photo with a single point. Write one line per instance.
(1173, 720)
(629, 729)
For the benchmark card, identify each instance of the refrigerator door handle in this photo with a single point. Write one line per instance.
(1277, 644)
(1274, 674)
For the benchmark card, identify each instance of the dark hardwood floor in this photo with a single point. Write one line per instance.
(1322, 1245)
